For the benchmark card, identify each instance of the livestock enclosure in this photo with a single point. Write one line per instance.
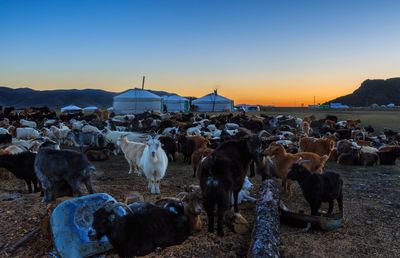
(371, 207)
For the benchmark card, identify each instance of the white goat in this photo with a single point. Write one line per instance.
(194, 130)
(244, 194)
(3, 131)
(113, 136)
(75, 124)
(90, 129)
(154, 164)
(27, 123)
(133, 152)
(27, 133)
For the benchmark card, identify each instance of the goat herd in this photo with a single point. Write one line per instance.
(221, 148)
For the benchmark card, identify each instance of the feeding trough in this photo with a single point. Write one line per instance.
(324, 222)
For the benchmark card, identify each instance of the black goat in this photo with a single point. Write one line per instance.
(21, 165)
(55, 167)
(222, 173)
(5, 138)
(142, 230)
(170, 147)
(318, 188)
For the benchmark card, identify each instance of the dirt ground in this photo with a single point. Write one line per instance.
(371, 227)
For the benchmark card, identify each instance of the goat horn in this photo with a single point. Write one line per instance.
(302, 161)
(182, 195)
(117, 204)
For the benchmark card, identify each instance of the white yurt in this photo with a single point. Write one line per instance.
(213, 103)
(136, 101)
(71, 108)
(175, 103)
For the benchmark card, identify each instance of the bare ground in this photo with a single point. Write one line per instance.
(371, 227)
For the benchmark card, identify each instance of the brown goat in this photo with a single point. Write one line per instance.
(284, 161)
(321, 147)
(198, 155)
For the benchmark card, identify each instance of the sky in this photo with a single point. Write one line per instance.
(280, 53)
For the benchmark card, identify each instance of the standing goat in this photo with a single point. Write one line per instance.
(132, 151)
(222, 174)
(318, 188)
(154, 163)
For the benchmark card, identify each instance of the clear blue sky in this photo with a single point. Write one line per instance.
(270, 52)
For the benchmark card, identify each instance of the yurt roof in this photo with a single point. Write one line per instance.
(210, 98)
(174, 97)
(71, 108)
(137, 94)
(91, 108)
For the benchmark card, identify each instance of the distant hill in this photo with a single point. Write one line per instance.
(381, 92)
(26, 97)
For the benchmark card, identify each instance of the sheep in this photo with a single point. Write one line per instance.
(144, 228)
(154, 163)
(27, 133)
(132, 151)
(21, 165)
(222, 173)
(31, 124)
(56, 167)
(318, 188)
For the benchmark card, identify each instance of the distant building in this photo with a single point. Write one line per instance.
(337, 105)
(213, 103)
(175, 103)
(137, 101)
(245, 107)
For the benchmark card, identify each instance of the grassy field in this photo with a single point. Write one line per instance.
(379, 119)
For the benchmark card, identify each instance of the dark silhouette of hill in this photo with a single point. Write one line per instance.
(26, 97)
(378, 91)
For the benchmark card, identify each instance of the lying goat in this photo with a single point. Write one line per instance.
(144, 228)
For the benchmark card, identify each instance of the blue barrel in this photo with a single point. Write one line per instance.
(70, 222)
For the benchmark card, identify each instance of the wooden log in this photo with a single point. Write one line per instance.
(265, 239)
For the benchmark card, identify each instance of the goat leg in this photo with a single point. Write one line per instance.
(330, 209)
(88, 184)
(220, 221)
(235, 201)
(28, 183)
(340, 202)
(252, 169)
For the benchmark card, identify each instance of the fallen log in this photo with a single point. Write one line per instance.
(265, 238)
